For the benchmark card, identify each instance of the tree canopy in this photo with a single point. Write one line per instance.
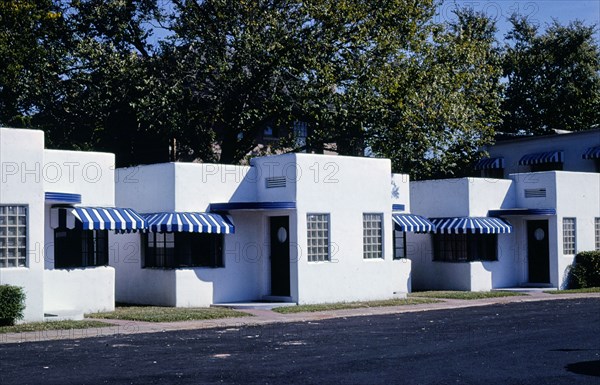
(553, 78)
(135, 77)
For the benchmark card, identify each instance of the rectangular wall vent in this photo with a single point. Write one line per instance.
(535, 193)
(275, 182)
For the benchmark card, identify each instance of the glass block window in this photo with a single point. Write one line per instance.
(372, 236)
(569, 233)
(597, 228)
(317, 227)
(13, 236)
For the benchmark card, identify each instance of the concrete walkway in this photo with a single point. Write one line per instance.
(265, 317)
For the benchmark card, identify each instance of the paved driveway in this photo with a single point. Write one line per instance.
(549, 342)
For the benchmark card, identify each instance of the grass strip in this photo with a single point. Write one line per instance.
(352, 305)
(575, 291)
(166, 314)
(53, 325)
(467, 295)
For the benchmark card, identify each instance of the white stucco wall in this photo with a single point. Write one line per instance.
(401, 191)
(341, 186)
(192, 187)
(572, 195)
(22, 183)
(353, 186)
(573, 145)
(80, 290)
(293, 172)
(28, 171)
(440, 197)
(197, 185)
(577, 196)
(147, 189)
(461, 198)
(90, 174)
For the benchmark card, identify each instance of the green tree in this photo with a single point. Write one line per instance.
(442, 102)
(247, 64)
(32, 55)
(360, 73)
(553, 78)
(105, 101)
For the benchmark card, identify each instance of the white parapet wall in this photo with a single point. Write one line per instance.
(462, 197)
(85, 290)
(22, 184)
(190, 188)
(346, 188)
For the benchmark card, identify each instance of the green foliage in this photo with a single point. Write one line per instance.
(32, 52)
(12, 304)
(352, 305)
(55, 325)
(466, 295)
(574, 291)
(553, 78)
(167, 314)
(101, 104)
(443, 101)
(585, 271)
(362, 74)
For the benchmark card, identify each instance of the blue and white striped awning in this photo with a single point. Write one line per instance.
(473, 225)
(489, 163)
(413, 223)
(542, 157)
(592, 153)
(97, 218)
(189, 222)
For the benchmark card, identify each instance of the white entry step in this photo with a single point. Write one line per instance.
(63, 315)
(254, 305)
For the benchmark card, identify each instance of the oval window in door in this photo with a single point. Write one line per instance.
(539, 234)
(282, 234)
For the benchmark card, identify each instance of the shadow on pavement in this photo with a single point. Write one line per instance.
(589, 368)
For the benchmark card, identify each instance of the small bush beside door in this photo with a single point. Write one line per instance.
(585, 271)
(12, 304)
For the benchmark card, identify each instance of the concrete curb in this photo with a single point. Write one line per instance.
(266, 317)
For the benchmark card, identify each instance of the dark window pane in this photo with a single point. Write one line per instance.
(465, 247)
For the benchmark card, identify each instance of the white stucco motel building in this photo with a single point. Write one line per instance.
(55, 252)
(299, 227)
(543, 194)
(79, 235)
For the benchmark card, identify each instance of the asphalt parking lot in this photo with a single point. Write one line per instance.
(545, 342)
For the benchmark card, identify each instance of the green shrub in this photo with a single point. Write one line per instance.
(12, 304)
(585, 271)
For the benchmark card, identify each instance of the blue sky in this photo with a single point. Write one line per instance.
(540, 12)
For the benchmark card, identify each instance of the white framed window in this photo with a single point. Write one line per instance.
(399, 244)
(597, 228)
(317, 237)
(182, 250)
(372, 236)
(13, 235)
(569, 235)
